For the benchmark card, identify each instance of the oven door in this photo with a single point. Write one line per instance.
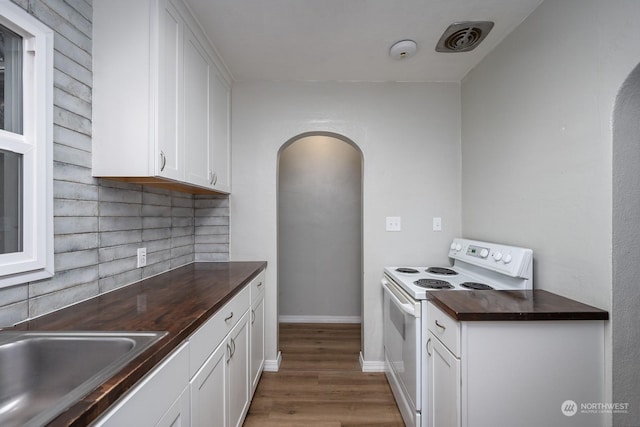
(402, 350)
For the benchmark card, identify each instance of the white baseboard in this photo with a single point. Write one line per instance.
(273, 365)
(319, 319)
(372, 365)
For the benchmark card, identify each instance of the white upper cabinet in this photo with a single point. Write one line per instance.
(197, 109)
(160, 100)
(169, 154)
(221, 95)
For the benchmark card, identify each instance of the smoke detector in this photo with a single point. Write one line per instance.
(403, 49)
(463, 36)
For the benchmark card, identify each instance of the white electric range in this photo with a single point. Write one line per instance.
(475, 265)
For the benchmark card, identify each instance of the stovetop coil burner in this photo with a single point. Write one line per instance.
(441, 270)
(407, 270)
(476, 286)
(433, 284)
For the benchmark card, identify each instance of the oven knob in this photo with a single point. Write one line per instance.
(497, 256)
(458, 246)
(507, 259)
(453, 246)
(484, 253)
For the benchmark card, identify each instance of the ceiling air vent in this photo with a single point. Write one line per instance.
(463, 36)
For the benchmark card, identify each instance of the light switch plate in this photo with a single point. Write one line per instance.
(437, 223)
(394, 223)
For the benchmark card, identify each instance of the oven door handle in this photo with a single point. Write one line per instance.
(408, 306)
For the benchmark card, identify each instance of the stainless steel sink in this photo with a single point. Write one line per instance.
(43, 373)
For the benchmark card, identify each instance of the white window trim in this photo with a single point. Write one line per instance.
(36, 261)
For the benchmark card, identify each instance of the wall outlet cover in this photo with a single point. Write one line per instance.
(394, 223)
(142, 257)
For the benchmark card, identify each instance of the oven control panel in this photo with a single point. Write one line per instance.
(477, 251)
(510, 260)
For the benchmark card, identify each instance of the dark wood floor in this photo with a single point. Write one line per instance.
(321, 384)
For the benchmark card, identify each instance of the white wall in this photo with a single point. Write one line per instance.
(320, 230)
(409, 135)
(537, 142)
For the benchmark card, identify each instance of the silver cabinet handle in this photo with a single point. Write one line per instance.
(440, 326)
(226, 319)
(428, 342)
(163, 161)
(233, 347)
(259, 284)
(253, 316)
(213, 178)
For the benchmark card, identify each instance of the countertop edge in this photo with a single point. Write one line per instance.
(586, 314)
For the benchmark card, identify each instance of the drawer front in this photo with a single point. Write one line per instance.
(257, 287)
(445, 328)
(203, 341)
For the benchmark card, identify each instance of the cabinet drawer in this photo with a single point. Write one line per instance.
(445, 328)
(257, 287)
(208, 336)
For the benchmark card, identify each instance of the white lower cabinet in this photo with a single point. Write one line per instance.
(179, 414)
(513, 373)
(160, 399)
(209, 380)
(256, 362)
(444, 384)
(220, 389)
(257, 342)
(238, 371)
(208, 388)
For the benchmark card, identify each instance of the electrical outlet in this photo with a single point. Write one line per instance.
(142, 257)
(394, 223)
(437, 223)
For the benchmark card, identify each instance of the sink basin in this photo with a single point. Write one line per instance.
(43, 373)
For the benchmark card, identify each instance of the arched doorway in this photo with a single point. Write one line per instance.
(320, 229)
(626, 241)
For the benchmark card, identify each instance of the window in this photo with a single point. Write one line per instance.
(26, 129)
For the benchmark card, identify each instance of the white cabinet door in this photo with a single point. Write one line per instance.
(148, 402)
(220, 389)
(444, 387)
(179, 414)
(239, 372)
(169, 154)
(257, 342)
(197, 114)
(221, 134)
(209, 390)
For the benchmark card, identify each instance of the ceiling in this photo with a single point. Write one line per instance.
(349, 40)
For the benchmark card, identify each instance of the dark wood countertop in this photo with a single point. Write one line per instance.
(513, 305)
(178, 302)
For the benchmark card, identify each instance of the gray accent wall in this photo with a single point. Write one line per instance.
(98, 223)
(320, 230)
(626, 246)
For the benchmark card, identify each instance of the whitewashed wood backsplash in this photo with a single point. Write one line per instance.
(99, 224)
